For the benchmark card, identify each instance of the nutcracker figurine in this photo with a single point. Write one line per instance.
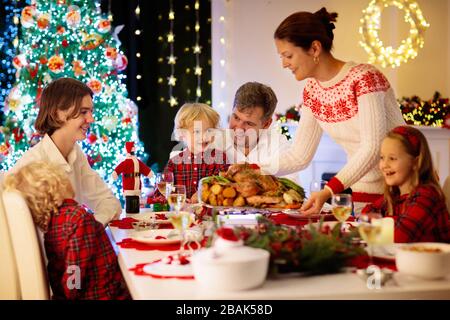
(131, 169)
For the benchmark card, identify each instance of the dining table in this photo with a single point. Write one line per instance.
(345, 285)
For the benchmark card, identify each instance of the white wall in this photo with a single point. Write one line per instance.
(250, 53)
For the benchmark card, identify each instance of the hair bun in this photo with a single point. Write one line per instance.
(327, 19)
(326, 16)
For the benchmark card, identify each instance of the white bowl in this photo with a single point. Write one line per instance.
(235, 269)
(424, 264)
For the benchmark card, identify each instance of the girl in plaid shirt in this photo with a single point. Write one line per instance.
(412, 196)
(81, 261)
(194, 126)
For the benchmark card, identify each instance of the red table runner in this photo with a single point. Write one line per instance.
(129, 243)
(139, 271)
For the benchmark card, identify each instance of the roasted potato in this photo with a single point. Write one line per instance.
(229, 192)
(220, 200)
(239, 202)
(216, 189)
(205, 194)
(212, 199)
(228, 202)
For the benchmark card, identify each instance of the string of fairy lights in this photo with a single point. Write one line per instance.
(171, 59)
(371, 25)
(138, 33)
(197, 51)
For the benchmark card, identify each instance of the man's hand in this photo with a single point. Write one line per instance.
(194, 198)
(315, 202)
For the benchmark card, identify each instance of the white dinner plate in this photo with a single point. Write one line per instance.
(146, 215)
(332, 224)
(168, 270)
(149, 236)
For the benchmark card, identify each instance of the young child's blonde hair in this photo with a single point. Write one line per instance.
(190, 112)
(44, 186)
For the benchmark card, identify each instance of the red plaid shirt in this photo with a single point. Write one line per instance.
(188, 168)
(421, 216)
(76, 244)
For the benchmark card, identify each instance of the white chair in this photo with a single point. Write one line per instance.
(9, 278)
(28, 250)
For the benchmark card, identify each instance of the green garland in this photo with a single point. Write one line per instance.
(316, 250)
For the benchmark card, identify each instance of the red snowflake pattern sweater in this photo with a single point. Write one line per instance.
(356, 109)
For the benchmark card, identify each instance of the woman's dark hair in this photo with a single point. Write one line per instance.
(302, 28)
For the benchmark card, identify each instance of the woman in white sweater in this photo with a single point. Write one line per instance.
(353, 103)
(65, 114)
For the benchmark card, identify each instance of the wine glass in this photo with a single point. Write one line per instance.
(179, 219)
(342, 207)
(369, 230)
(164, 182)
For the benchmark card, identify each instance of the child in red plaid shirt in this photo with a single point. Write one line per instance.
(194, 126)
(413, 196)
(81, 261)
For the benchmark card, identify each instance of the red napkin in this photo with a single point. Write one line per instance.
(127, 223)
(139, 271)
(129, 243)
(362, 262)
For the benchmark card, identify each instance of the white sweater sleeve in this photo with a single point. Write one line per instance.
(302, 150)
(372, 128)
(96, 194)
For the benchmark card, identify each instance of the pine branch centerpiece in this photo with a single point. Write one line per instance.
(317, 249)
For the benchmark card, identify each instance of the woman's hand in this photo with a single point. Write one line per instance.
(315, 202)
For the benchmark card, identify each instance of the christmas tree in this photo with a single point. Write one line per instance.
(70, 38)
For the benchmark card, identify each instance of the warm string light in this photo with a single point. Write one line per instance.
(137, 32)
(171, 59)
(197, 50)
(222, 59)
(371, 25)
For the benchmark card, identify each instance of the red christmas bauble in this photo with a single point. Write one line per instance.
(65, 43)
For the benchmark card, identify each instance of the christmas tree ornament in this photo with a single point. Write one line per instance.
(111, 53)
(78, 68)
(110, 123)
(43, 21)
(43, 60)
(56, 64)
(104, 26)
(92, 138)
(27, 16)
(95, 85)
(91, 42)
(19, 61)
(121, 62)
(131, 169)
(73, 17)
(60, 30)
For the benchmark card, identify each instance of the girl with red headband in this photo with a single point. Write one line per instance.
(412, 194)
